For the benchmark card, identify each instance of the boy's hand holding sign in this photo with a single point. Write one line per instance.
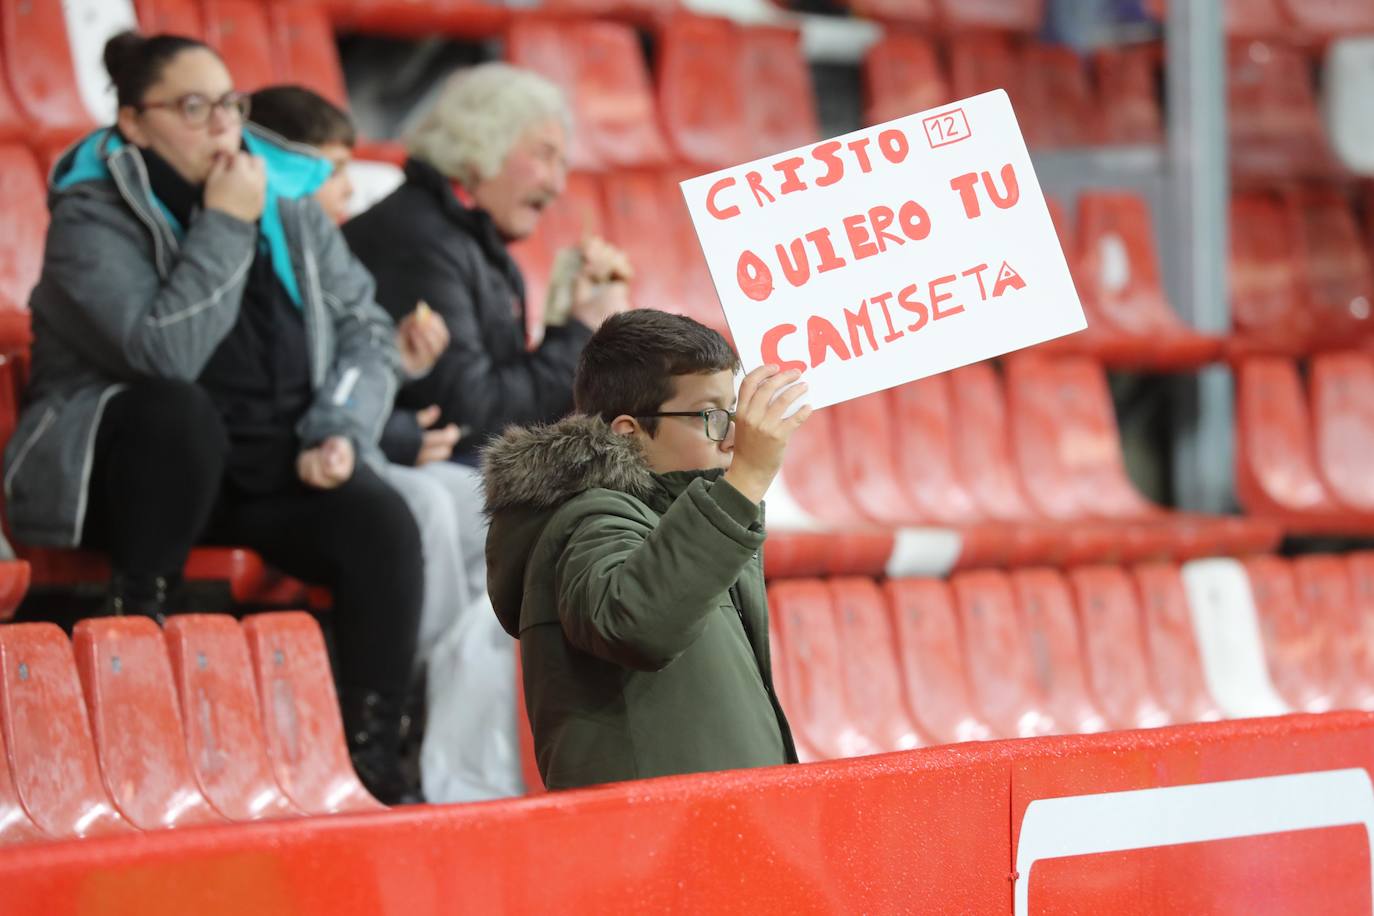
(889, 254)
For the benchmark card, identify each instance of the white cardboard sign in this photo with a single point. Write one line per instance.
(888, 254)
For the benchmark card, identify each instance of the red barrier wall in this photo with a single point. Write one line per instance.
(931, 831)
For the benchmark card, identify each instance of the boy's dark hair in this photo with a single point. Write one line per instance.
(629, 365)
(135, 62)
(295, 113)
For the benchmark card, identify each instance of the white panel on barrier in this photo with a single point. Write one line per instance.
(1226, 627)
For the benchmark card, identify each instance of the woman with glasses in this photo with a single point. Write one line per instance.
(209, 365)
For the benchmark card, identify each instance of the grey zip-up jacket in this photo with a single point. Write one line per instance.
(121, 299)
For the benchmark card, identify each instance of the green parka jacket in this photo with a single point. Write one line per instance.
(639, 603)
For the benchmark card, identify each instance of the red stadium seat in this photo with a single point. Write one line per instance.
(239, 31)
(1267, 312)
(873, 683)
(704, 108)
(1128, 89)
(982, 62)
(805, 752)
(14, 583)
(1274, 127)
(1296, 642)
(1114, 643)
(1342, 403)
(14, 124)
(242, 570)
(868, 460)
(171, 17)
(574, 216)
(410, 19)
(917, 12)
(814, 671)
(1120, 274)
(813, 474)
(1325, 586)
(1276, 471)
(1051, 628)
(15, 825)
(1059, 96)
(1337, 283)
(47, 732)
(38, 61)
(305, 51)
(300, 713)
(997, 657)
(1173, 652)
(603, 70)
(139, 738)
(1329, 18)
(1012, 15)
(902, 76)
(23, 225)
(932, 664)
(780, 102)
(1360, 566)
(222, 718)
(529, 763)
(645, 11)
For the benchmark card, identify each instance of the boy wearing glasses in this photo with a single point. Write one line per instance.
(624, 553)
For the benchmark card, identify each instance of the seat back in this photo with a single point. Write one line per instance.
(1274, 128)
(305, 51)
(1010, 15)
(1056, 650)
(1127, 82)
(982, 447)
(866, 448)
(813, 475)
(1172, 648)
(240, 32)
(47, 731)
(171, 17)
(1065, 436)
(1275, 462)
(1342, 399)
(222, 717)
(997, 657)
(137, 727)
(1296, 642)
(1265, 303)
(1336, 280)
(1324, 585)
(873, 683)
(922, 428)
(985, 62)
(780, 101)
(932, 663)
(704, 109)
(602, 68)
(53, 56)
(919, 12)
(640, 207)
(1360, 565)
(813, 669)
(1060, 95)
(1114, 644)
(1119, 262)
(300, 710)
(902, 76)
(1329, 18)
(23, 225)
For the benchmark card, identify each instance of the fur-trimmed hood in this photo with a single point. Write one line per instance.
(542, 467)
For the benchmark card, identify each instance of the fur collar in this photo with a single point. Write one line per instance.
(542, 467)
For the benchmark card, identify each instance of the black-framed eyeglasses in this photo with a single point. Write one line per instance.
(716, 419)
(195, 108)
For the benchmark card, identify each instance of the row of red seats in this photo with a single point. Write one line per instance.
(864, 667)
(40, 98)
(1302, 452)
(155, 729)
(1027, 470)
(1290, 19)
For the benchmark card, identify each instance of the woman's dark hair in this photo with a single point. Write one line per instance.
(135, 62)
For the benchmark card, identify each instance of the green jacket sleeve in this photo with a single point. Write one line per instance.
(638, 594)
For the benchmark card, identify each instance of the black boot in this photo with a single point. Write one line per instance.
(375, 727)
(144, 596)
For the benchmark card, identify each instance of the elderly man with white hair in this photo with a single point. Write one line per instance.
(485, 162)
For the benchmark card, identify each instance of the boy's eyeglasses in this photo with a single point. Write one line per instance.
(195, 108)
(717, 420)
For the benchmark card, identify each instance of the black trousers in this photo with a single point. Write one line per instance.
(157, 488)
